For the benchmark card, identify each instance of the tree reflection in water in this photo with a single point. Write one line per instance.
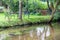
(51, 32)
(38, 33)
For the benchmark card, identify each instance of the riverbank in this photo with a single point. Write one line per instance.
(14, 21)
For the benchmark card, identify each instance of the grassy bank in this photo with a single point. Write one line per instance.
(13, 19)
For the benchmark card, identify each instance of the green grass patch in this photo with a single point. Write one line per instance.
(13, 19)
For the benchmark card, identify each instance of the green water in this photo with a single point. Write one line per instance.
(33, 32)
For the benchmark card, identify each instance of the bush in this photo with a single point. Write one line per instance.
(57, 16)
(34, 6)
(30, 5)
(38, 14)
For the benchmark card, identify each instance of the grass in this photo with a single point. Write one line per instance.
(14, 19)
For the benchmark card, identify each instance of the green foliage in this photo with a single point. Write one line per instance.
(34, 5)
(31, 5)
(15, 21)
(57, 16)
(13, 5)
(38, 14)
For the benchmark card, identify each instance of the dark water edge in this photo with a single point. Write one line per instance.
(29, 24)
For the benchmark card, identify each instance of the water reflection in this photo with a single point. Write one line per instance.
(38, 33)
(51, 32)
(3, 36)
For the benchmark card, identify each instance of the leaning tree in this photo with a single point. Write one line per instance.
(52, 5)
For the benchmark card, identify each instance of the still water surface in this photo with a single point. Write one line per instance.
(34, 32)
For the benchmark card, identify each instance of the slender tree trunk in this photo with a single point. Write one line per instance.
(20, 9)
(8, 13)
(52, 15)
(27, 9)
(48, 3)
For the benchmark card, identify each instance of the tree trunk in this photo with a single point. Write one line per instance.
(48, 3)
(53, 9)
(8, 14)
(52, 15)
(0, 3)
(20, 9)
